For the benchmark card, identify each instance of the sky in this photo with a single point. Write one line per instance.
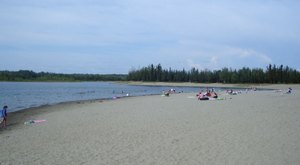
(116, 36)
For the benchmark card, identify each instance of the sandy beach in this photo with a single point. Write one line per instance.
(257, 127)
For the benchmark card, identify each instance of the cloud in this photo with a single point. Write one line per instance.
(192, 64)
(107, 23)
(250, 54)
(131, 33)
(225, 56)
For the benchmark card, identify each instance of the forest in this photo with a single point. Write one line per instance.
(156, 73)
(271, 74)
(26, 75)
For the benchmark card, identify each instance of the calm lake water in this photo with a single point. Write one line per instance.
(22, 95)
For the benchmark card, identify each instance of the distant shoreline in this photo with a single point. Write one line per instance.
(183, 84)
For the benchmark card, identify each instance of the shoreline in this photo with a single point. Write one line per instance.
(23, 114)
(26, 113)
(156, 84)
(167, 84)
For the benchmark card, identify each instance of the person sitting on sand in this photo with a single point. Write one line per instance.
(3, 114)
(289, 91)
(213, 95)
(166, 93)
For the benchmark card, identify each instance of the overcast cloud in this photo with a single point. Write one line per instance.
(94, 36)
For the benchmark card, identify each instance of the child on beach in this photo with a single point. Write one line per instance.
(3, 114)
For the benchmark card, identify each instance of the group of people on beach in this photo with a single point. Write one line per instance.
(209, 94)
(232, 92)
(3, 116)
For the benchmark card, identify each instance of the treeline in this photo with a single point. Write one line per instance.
(26, 75)
(271, 74)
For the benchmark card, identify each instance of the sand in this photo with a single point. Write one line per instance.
(261, 127)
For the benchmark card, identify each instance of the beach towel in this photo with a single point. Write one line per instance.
(33, 121)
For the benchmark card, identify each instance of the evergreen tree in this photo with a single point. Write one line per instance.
(272, 74)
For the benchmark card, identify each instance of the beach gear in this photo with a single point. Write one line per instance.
(38, 121)
(166, 94)
(33, 121)
(204, 98)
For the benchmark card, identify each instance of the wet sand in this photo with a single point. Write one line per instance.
(261, 127)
